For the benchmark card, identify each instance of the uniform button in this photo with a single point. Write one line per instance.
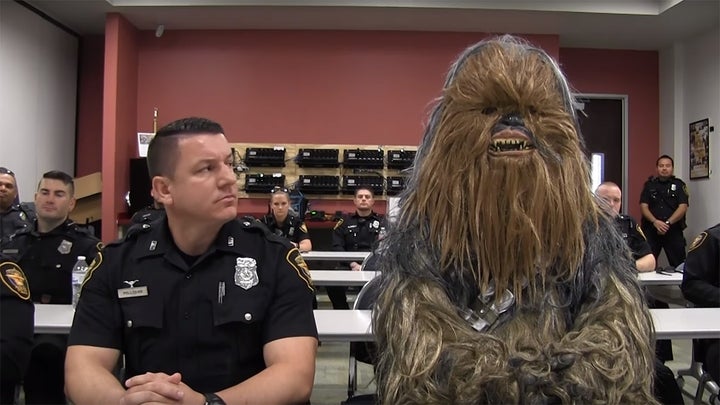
(129, 323)
(248, 316)
(188, 276)
(186, 315)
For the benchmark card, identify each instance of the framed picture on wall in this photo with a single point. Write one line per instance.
(700, 149)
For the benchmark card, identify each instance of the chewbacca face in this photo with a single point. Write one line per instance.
(501, 177)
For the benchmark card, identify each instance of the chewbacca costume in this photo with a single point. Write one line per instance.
(503, 281)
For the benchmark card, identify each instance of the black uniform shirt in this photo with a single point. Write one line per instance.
(357, 234)
(15, 219)
(208, 321)
(701, 277)
(16, 328)
(292, 228)
(633, 236)
(663, 197)
(48, 259)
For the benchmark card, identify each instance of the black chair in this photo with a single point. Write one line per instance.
(362, 351)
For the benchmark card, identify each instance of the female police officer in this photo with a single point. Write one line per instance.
(283, 223)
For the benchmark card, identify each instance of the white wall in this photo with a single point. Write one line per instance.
(38, 91)
(690, 91)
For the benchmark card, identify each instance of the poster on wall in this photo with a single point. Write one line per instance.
(144, 139)
(700, 149)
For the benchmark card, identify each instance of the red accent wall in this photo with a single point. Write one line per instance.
(632, 73)
(90, 105)
(346, 87)
(119, 118)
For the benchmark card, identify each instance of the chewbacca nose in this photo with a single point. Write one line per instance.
(512, 120)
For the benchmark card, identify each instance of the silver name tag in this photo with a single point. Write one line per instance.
(132, 292)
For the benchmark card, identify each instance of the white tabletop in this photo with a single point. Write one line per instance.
(53, 318)
(320, 255)
(342, 277)
(360, 278)
(354, 325)
(654, 278)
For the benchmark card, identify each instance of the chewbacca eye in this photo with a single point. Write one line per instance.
(489, 110)
(532, 110)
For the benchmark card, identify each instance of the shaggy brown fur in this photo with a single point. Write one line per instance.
(524, 220)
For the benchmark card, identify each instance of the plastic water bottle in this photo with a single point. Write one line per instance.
(78, 276)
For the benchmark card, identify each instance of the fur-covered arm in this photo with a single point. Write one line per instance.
(428, 354)
(607, 356)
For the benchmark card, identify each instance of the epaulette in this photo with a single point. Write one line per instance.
(132, 232)
(84, 230)
(252, 224)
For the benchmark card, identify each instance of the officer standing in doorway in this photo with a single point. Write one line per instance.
(664, 202)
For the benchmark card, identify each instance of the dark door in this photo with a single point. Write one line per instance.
(601, 123)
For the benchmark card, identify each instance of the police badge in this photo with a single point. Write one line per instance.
(65, 247)
(246, 272)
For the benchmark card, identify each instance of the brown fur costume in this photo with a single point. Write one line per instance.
(500, 194)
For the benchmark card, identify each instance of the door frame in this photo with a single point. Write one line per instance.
(580, 98)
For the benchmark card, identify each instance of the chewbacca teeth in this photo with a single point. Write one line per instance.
(514, 144)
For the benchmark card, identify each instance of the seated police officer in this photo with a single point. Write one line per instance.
(14, 215)
(701, 286)
(47, 252)
(16, 329)
(631, 232)
(358, 232)
(666, 388)
(282, 222)
(206, 308)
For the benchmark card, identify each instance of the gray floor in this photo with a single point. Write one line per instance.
(331, 374)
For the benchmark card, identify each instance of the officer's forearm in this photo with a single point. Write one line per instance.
(645, 263)
(284, 381)
(678, 214)
(89, 380)
(646, 213)
(305, 245)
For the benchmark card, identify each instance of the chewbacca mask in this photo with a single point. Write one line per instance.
(504, 281)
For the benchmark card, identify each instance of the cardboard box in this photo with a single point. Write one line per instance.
(88, 205)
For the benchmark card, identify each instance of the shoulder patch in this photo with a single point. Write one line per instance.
(297, 262)
(698, 241)
(14, 278)
(339, 223)
(685, 189)
(639, 230)
(97, 261)
(303, 227)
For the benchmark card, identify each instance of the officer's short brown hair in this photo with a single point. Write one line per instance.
(62, 176)
(162, 153)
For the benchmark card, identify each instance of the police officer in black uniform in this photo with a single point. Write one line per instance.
(664, 202)
(14, 216)
(666, 389)
(701, 286)
(47, 253)
(16, 329)
(611, 194)
(205, 307)
(282, 222)
(358, 232)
